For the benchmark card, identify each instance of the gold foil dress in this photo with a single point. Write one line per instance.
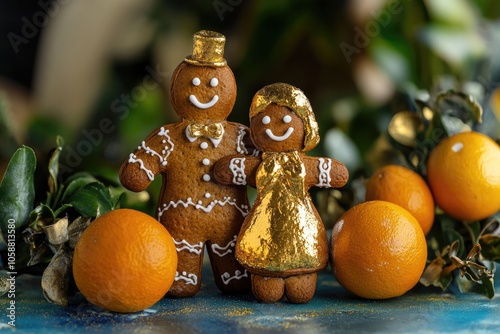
(283, 233)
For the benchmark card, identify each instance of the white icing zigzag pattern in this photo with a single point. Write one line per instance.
(197, 249)
(325, 167)
(226, 277)
(206, 208)
(188, 278)
(168, 148)
(223, 251)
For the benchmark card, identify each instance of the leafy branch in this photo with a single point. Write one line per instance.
(50, 229)
(414, 134)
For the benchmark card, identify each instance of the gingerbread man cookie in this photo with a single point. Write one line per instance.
(197, 211)
(282, 242)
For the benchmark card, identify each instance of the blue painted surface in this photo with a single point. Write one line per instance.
(333, 310)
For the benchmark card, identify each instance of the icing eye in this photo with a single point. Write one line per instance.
(196, 81)
(287, 119)
(214, 82)
(266, 120)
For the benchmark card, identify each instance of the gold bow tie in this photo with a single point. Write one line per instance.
(213, 130)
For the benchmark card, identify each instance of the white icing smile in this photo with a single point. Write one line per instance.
(285, 136)
(194, 100)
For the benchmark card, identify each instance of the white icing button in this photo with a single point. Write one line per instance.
(205, 161)
(207, 195)
(204, 145)
(206, 177)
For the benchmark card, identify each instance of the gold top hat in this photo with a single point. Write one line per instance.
(208, 49)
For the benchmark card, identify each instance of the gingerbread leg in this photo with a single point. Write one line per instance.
(187, 280)
(268, 289)
(300, 289)
(229, 275)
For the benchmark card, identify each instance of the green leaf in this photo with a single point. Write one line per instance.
(54, 165)
(454, 125)
(460, 105)
(455, 46)
(116, 195)
(490, 244)
(78, 181)
(91, 200)
(457, 13)
(391, 60)
(437, 125)
(17, 190)
(41, 216)
(60, 210)
(488, 286)
(474, 229)
(476, 281)
(454, 238)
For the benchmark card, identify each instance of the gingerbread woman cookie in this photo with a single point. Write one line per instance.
(197, 211)
(282, 242)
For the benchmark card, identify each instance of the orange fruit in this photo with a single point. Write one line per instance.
(405, 188)
(464, 175)
(378, 250)
(125, 261)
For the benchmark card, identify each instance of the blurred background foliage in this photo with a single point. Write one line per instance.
(67, 67)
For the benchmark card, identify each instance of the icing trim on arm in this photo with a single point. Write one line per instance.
(237, 166)
(240, 142)
(162, 156)
(325, 167)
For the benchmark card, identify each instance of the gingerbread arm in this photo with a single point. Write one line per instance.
(325, 172)
(148, 160)
(236, 170)
(244, 144)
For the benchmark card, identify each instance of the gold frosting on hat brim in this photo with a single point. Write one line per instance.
(208, 49)
(286, 95)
